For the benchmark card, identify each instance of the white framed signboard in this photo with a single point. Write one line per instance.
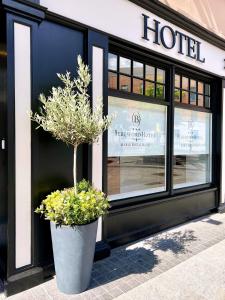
(139, 128)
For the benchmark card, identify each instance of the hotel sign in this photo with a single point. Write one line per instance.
(143, 29)
(170, 38)
(139, 128)
(192, 132)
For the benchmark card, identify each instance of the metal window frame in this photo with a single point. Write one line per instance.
(170, 71)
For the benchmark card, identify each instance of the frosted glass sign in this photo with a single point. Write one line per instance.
(192, 148)
(138, 129)
(136, 162)
(192, 132)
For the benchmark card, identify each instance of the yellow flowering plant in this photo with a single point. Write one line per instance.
(69, 208)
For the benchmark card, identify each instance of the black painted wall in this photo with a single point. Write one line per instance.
(57, 49)
(3, 153)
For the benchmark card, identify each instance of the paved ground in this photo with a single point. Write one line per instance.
(186, 262)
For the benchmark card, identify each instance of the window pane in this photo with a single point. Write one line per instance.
(137, 86)
(138, 69)
(193, 98)
(125, 83)
(207, 89)
(160, 76)
(200, 87)
(150, 73)
(200, 100)
(112, 62)
(207, 102)
(192, 148)
(112, 80)
(177, 95)
(149, 89)
(193, 85)
(136, 148)
(185, 84)
(185, 97)
(177, 81)
(125, 65)
(160, 91)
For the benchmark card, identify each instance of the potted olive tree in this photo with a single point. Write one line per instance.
(73, 212)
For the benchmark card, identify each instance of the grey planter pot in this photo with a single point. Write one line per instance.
(73, 250)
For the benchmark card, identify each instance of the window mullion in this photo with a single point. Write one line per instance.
(170, 128)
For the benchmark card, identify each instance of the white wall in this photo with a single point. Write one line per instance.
(97, 92)
(22, 144)
(123, 19)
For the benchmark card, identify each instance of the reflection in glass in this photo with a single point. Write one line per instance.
(136, 148)
(125, 83)
(207, 102)
(177, 95)
(131, 176)
(112, 61)
(177, 80)
(200, 100)
(125, 65)
(160, 76)
(207, 89)
(193, 85)
(137, 86)
(185, 84)
(112, 80)
(160, 91)
(192, 148)
(149, 89)
(200, 87)
(193, 98)
(150, 73)
(138, 69)
(185, 97)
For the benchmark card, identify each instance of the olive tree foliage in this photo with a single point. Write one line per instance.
(67, 114)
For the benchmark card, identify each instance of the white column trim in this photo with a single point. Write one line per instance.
(22, 64)
(97, 92)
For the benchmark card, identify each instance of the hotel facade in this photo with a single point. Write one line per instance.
(161, 162)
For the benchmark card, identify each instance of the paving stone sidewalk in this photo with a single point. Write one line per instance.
(163, 266)
(202, 277)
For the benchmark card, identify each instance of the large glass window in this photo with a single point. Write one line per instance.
(137, 139)
(133, 76)
(136, 148)
(192, 148)
(191, 91)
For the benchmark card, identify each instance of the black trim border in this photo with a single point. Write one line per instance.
(128, 224)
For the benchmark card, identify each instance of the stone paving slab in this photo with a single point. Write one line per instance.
(200, 277)
(132, 266)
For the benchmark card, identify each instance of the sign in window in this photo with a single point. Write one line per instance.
(192, 148)
(136, 148)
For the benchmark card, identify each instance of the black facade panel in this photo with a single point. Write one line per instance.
(3, 153)
(128, 224)
(57, 50)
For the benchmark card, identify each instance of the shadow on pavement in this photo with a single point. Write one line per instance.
(123, 263)
(211, 221)
(140, 260)
(173, 241)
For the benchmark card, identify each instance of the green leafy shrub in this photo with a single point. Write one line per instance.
(69, 208)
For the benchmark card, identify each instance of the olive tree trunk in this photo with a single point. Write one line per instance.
(75, 166)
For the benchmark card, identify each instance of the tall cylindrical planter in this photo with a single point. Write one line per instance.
(73, 250)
